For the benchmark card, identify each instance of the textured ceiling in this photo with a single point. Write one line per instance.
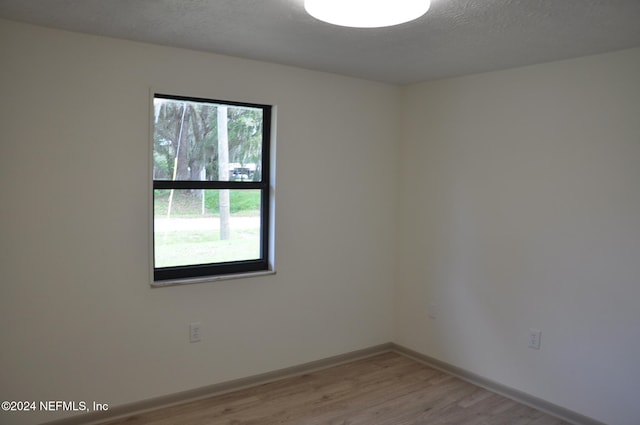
(456, 37)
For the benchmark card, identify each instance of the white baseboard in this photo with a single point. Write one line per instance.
(116, 412)
(122, 411)
(513, 394)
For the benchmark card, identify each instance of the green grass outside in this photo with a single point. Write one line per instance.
(178, 248)
(203, 246)
(187, 203)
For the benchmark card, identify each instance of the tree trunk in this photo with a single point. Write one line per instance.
(182, 154)
(223, 173)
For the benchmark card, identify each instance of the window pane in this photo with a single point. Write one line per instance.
(206, 141)
(194, 226)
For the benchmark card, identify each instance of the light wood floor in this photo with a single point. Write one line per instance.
(387, 389)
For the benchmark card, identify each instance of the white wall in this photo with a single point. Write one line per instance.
(78, 318)
(521, 209)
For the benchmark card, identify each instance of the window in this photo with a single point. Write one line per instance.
(210, 187)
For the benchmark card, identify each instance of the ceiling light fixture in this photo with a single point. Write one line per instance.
(366, 13)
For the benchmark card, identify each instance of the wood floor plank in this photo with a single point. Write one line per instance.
(386, 389)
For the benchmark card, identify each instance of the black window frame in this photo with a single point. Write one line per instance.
(186, 272)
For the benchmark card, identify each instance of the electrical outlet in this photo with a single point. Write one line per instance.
(534, 338)
(194, 332)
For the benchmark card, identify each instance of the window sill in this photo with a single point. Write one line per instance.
(207, 279)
